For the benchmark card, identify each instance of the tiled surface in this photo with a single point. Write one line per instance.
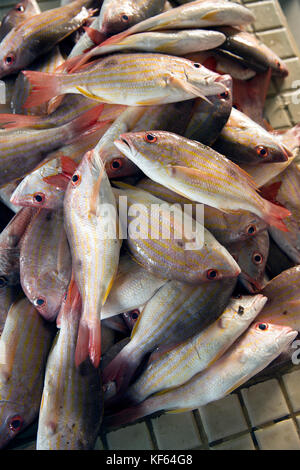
(185, 434)
(223, 418)
(282, 435)
(265, 402)
(243, 420)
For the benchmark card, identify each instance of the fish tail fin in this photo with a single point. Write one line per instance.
(132, 414)
(44, 86)
(17, 121)
(116, 37)
(88, 342)
(82, 345)
(121, 369)
(274, 215)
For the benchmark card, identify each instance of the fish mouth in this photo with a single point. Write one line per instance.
(251, 284)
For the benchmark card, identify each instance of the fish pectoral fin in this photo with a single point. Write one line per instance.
(91, 95)
(211, 15)
(188, 87)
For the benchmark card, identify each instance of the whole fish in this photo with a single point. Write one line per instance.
(146, 79)
(197, 14)
(251, 353)
(44, 186)
(282, 307)
(288, 196)
(208, 119)
(174, 313)
(133, 286)
(177, 365)
(35, 144)
(227, 228)
(24, 345)
(45, 262)
(10, 240)
(244, 141)
(39, 34)
(91, 226)
(20, 12)
(253, 51)
(71, 407)
(177, 43)
(165, 245)
(198, 173)
(251, 255)
(115, 16)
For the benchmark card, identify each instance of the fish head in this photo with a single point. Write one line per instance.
(270, 338)
(243, 308)
(149, 150)
(20, 12)
(34, 191)
(118, 166)
(12, 421)
(252, 260)
(219, 262)
(246, 225)
(116, 19)
(199, 77)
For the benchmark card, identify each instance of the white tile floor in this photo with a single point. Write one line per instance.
(266, 415)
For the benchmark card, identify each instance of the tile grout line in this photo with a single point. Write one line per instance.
(201, 429)
(289, 404)
(247, 419)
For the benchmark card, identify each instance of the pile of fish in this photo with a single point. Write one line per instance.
(121, 116)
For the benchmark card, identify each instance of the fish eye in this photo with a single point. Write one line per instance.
(135, 314)
(236, 106)
(262, 326)
(3, 281)
(75, 180)
(16, 423)
(39, 197)
(257, 258)
(40, 302)
(251, 229)
(116, 164)
(197, 65)
(125, 18)
(20, 8)
(224, 95)
(262, 151)
(211, 274)
(150, 138)
(9, 59)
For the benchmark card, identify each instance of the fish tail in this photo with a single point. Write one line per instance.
(82, 345)
(17, 121)
(132, 414)
(44, 86)
(121, 369)
(274, 215)
(117, 37)
(88, 342)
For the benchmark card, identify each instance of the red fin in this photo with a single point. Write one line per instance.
(121, 369)
(17, 121)
(54, 103)
(44, 86)
(96, 36)
(82, 65)
(86, 121)
(68, 166)
(270, 191)
(132, 414)
(116, 37)
(60, 181)
(274, 214)
(71, 306)
(95, 343)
